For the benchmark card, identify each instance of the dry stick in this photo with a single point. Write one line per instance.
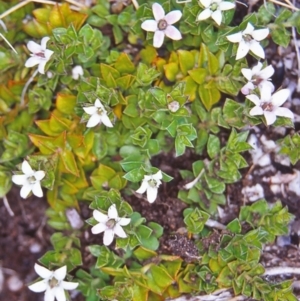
(135, 4)
(7, 42)
(27, 84)
(284, 4)
(297, 53)
(16, 7)
(281, 270)
(6, 204)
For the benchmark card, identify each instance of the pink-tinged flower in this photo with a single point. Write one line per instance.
(162, 25)
(110, 224)
(249, 41)
(213, 9)
(151, 184)
(52, 283)
(40, 54)
(258, 77)
(98, 115)
(30, 180)
(269, 105)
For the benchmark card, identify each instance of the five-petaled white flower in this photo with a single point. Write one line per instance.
(40, 55)
(213, 9)
(249, 40)
(98, 115)
(258, 77)
(52, 283)
(31, 180)
(151, 184)
(162, 25)
(77, 71)
(110, 224)
(269, 105)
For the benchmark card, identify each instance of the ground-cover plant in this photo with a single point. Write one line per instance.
(89, 100)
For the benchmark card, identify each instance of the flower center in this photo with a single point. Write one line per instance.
(53, 282)
(247, 37)
(31, 179)
(152, 183)
(40, 54)
(110, 223)
(267, 106)
(214, 7)
(162, 24)
(100, 111)
(257, 80)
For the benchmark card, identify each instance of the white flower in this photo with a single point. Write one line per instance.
(151, 184)
(98, 115)
(31, 180)
(249, 40)
(52, 283)
(213, 9)
(77, 71)
(40, 55)
(257, 77)
(162, 25)
(110, 224)
(269, 105)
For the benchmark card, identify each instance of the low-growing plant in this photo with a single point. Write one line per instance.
(102, 91)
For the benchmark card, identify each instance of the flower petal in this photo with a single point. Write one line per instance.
(39, 175)
(39, 286)
(42, 66)
(270, 117)
(173, 33)
(60, 274)
(32, 61)
(99, 228)
(243, 49)
(247, 88)
(267, 72)
(247, 73)
(149, 25)
(106, 121)
(25, 190)
(99, 105)
(34, 47)
(206, 3)
(158, 175)
(256, 111)
(217, 17)
(158, 38)
(235, 37)
(42, 271)
(112, 212)
(257, 49)
(44, 42)
(226, 5)
(256, 69)
(37, 189)
(69, 285)
(205, 14)
(99, 216)
(260, 34)
(158, 11)
(108, 237)
(90, 110)
(119, 231)
(143, 187)
(280, 97)
(49, 294)
(265, 84)
(19, 179)
(59, 293)
(249, 29)
(123, 221)
(254, 98)
(173, 16)
(93, 121)
(284, 112)
(151, 194)
(26, 168)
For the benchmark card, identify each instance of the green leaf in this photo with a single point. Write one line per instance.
(234, 226)
(213, 146)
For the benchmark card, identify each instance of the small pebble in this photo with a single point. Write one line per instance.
(14, 283)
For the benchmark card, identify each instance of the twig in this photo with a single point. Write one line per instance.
(194, 182)
(26, 86)
(290, 6)
(135, 4)
(7, 42)
(6, 204)
(214, 224)
(297, 53)
(281, 270)
(23, 3)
